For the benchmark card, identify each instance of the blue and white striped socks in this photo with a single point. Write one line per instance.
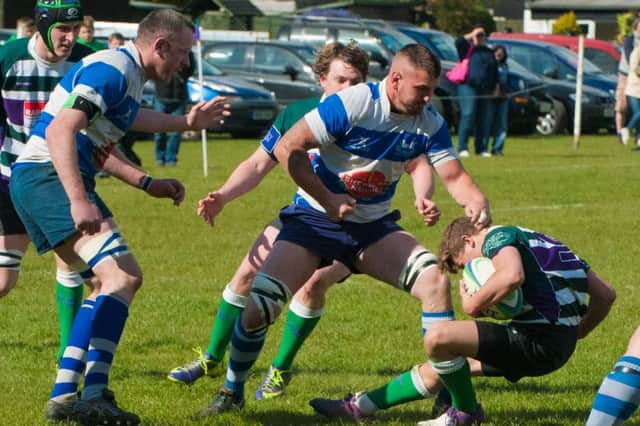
(109, 316)
(618, 395)
(74, 357)
(245, 348)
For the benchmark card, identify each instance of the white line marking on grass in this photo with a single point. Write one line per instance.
(543, 207)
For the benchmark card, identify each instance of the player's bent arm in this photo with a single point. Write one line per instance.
(423, 188)
(291, 153)
(601, 297)
(61, 140)
(246, 176)
(117, 165)
(508, 276)
(464, 190)
(121, 168)
(422, 177)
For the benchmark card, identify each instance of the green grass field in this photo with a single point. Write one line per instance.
(587, 198)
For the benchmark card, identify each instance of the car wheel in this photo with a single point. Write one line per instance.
(555, 121)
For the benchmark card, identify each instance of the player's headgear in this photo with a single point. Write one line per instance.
(49, 13)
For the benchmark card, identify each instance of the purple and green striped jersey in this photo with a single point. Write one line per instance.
(555, 283)
(365, 148)
(26, 82)
(111, 80)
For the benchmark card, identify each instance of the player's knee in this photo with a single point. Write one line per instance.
(436, 339)
(10, 261)
(269, 295)
(7, 282)
(314, 290)
(243, 279)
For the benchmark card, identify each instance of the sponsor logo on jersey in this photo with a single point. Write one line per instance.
(365, 184)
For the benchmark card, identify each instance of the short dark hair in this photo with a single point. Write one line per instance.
(162, 22)
(452, 244)
(422, 57)
(350, 54)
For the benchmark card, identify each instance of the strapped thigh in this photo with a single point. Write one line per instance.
(10, 259)
(109, 244)
(418, 262)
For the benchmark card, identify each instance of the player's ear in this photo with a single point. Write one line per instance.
(161, 47)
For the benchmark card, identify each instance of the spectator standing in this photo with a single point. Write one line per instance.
(629, 43)
(25, 28)
(632, 90)
(171, 98)
(476, 91)
(500, 103)
(87, 30)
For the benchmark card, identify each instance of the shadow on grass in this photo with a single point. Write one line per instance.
(497, 385)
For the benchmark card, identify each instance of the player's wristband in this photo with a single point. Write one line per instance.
(145, 183)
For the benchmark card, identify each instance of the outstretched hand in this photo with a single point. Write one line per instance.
(204, 115)
(210, 207)
(167, 188)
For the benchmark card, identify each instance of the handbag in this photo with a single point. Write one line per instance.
(458, 74)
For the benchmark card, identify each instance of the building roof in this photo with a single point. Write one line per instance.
(604, 10)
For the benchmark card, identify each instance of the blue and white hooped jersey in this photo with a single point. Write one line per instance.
(364, 147)
(112, 80)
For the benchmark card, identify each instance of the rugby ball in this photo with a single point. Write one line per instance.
(475, 273)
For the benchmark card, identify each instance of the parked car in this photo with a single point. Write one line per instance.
(285, 69)
(552, 61)
(558, 108)
(440, 43)
(252, 108)
(379, 40)
(602, 53)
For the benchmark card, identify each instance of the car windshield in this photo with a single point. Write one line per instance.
(395, 40)
(307, 53)
(571, 58)
(207, 68)
(517, 68)
(444, 44)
